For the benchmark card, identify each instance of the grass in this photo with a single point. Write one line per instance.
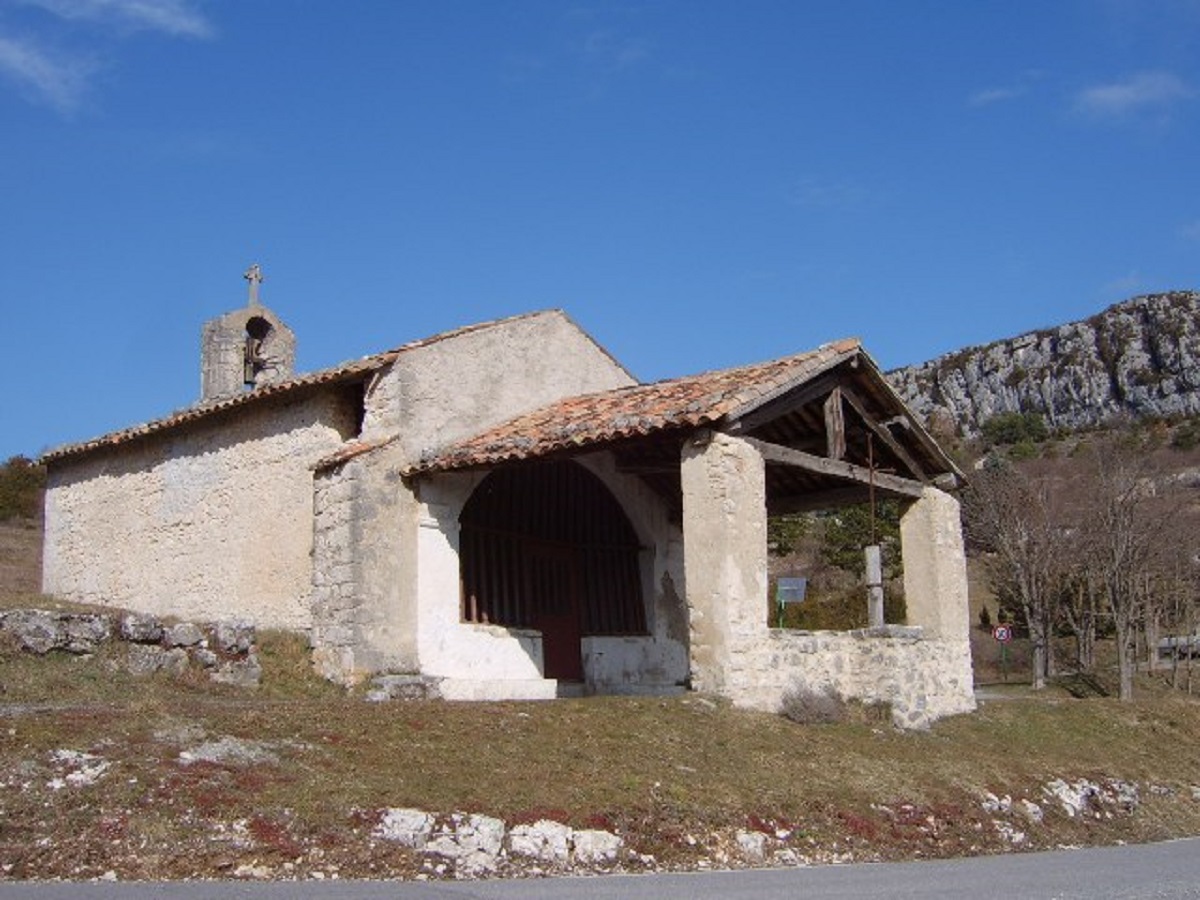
(657, 770)
(676, 777)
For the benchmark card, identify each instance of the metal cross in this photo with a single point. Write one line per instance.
(254, 275)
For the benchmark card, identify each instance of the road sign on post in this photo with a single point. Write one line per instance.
(1003, 634)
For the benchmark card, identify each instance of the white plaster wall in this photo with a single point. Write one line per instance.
(935, 566)
(656, 662)
(206, 522)
(447, 646)
(455, 387)
(477, 658)
(725, 532)
(620, 664)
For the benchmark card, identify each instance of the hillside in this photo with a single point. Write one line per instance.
(1139, 358)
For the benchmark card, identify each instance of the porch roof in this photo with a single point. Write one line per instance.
(780, 401)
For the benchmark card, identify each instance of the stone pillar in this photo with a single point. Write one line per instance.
(364, 570)
(874, 573)
(725, 555)
(935, 567)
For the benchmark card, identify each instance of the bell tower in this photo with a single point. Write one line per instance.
(245, 349)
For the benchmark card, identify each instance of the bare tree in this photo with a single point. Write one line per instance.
(1127, 521)
(1080, 609)
(1010, 514)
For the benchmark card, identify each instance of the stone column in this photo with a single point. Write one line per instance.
(725, 555)
(935, 567)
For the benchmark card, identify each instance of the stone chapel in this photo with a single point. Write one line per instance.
(503, 511)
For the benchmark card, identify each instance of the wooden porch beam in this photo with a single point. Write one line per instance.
(772, 410)
(836, 468)
(835, 425)
(882, 432)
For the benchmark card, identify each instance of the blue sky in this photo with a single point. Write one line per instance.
(699, 184)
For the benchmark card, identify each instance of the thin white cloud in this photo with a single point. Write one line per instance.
(58, 81)
(994, 95)
(1125, 286)
(60, 78)
(816, 193)
(1145, 92)
(615, 51)
(1191, 231)
(177, 18)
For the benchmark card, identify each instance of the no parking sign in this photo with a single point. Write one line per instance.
(1003, 634)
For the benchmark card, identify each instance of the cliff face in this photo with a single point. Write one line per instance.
(1140, 358)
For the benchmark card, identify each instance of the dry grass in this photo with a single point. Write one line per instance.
(20, 556)
(657, 770)
(668, 774)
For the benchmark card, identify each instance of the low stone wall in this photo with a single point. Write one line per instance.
(224, 649)
(921, 680)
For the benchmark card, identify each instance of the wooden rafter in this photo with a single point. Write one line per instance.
(814, 390)
(837, 468)
(881, 431)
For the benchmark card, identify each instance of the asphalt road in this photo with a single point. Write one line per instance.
(1166, 871)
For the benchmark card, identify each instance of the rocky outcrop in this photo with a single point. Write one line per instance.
(226, 650)
(1138, 358)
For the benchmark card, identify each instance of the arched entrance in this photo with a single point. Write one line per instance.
(546, 546)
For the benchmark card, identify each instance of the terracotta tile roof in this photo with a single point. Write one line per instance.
(353, 449)
(347, 371)
(639, 410)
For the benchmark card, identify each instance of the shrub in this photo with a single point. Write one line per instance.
(806, 706)
(1187, 435)
(21, 483)
(1014, 428)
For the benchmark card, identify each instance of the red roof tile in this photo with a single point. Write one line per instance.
(639, 410)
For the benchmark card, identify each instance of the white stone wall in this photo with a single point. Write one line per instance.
(364, 570)
(725, 533)
(922, 680)
(206, 522)
(473, 661)
(453, 388)
(923, 672)
(658, 661)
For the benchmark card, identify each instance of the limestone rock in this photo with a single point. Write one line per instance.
(593, 846)
(207, 658)
(185, 634)
(1140, 357)
(35, 630)
(244, 672)
(403, 687)
(230, 751)
(233, 635)
(85, 633)
(752, 844)
(144, 659)
(39, 631)
(406, 827)
(141, 629)
(546, 841)
(473, 842)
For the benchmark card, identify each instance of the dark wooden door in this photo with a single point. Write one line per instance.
(554, 574)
